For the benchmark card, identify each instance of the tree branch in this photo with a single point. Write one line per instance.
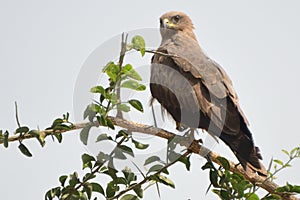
(160, 53)
(194, 147)
(120, 63)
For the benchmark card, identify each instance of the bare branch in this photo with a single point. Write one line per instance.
(161, 53)
(120, 63)
(17, 117)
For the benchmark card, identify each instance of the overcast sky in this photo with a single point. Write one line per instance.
(45, 44)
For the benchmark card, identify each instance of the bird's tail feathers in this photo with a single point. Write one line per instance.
(247, 154)
(252, 165)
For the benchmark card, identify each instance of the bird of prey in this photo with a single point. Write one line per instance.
(197, 92)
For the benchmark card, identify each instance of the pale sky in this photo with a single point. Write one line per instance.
(44, 45)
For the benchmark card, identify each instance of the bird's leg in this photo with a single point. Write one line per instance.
(199, 140)
(236, 165)
(180, 127)
(154, 117)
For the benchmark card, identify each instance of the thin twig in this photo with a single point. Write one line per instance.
(153, 115)
(120, 63)
(161, 53)
(17, 117)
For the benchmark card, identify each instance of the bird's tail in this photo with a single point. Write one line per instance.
(252, 164)
(248, 155)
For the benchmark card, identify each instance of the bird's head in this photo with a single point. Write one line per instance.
(175, 21)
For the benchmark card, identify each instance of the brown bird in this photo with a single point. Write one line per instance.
(197, 92)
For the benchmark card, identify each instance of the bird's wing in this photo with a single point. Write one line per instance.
(224, 109)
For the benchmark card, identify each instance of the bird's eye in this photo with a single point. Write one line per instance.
(176, 18)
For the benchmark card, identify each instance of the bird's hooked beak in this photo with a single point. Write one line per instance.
(165, 23)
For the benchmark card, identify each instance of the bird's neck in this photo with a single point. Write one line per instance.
(190, 33)
(167, 34)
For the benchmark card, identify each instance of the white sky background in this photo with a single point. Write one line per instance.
(43, 45)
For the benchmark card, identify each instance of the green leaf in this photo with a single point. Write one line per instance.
(111, 189)
(285, 152)
(296, 189)
(5, 140)
(138, 43)
(119, 154)
(156, 168)
(23, 129)
(251, 196)
(224, 162)
(52, 193)
(84, 134)
(41, 138)
(73, 179)
(89, 112)
(165, 180)
(112, 70)
(172, 155)
(282, 189)
(129, 175)
(66, 116)
(102, 120)
(88, 188)
(123, 107)
(244, 184)
(97, 188)
(134, 85)
(62, 180)
(58, 137)
(111, 172)
(127, 150)
(207, 165)
(287, 165)
(103, 136)
(113, 98)
(139, 191)
(87, 161)
(136, 104)
(225, 194)
(186, 161)
(88, 176)
(39, 135)
(278, 162)
(139, 145)
(98, 109)
(61, 127)
(218, 192)
(129, 197)
(213, 177)
(151, 160)
(120, 180)
(34, 133)
(110, 124)
(130, 72)
(289, 188)
(57, 121)
(122, 133)
(24, 150)
(102, 157)
(98, 89)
